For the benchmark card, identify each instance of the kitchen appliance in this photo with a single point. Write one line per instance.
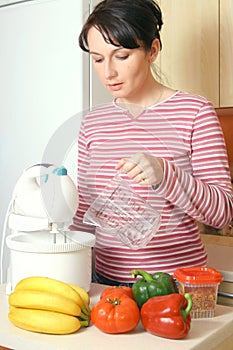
(124, 214)
(43, 204)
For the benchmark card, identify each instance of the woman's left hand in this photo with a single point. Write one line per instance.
(142, 168)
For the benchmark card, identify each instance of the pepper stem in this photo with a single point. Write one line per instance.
(146, 276)
(186, 311)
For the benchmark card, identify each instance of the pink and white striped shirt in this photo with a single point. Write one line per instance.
(183, 130)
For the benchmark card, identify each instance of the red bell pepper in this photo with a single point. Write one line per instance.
(167, 316)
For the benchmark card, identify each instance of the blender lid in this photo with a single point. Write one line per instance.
(42, 241)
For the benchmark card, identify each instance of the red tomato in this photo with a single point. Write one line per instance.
(116, 313)
(117, 289)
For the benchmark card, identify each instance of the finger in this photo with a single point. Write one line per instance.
(140, 162)
(120, 164)
(143, 182)
(128, 166)
(135, 172)
(141, 179)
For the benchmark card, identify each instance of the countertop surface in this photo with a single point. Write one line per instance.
(210, 333)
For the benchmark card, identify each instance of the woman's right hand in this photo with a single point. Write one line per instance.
(142, 168)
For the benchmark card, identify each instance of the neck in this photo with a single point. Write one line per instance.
(151, 94)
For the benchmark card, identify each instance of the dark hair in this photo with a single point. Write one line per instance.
(124, 23)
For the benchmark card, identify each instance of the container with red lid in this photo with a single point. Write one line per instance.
(202, 283)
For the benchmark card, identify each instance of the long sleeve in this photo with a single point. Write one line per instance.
(206, 194)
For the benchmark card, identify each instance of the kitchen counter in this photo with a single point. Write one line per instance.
(212, 333)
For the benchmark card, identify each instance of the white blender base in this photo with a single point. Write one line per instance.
(34, 255)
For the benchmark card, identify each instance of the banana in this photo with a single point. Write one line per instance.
(84, 295)
(31, 299)
(44, 321)
(47, 284)
(84, 298)
(84, 307)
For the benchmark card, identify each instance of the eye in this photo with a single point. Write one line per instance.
(97, 60)
(122, 57)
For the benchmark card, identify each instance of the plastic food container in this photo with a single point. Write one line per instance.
(202, 283)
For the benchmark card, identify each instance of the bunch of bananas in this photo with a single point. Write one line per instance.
(46, 305)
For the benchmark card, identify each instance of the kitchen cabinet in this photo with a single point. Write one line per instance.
(197, 51)
(226, 53)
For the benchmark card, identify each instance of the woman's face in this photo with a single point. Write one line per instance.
(124, 72)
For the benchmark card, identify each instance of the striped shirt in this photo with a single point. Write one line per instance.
(183, 130)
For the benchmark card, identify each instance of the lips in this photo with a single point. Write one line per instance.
(115, 87)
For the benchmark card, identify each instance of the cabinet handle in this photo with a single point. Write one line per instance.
(224, 294)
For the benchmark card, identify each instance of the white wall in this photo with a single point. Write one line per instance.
(43, 82)
(98, 93)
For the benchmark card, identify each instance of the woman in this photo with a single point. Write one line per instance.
(168, 144)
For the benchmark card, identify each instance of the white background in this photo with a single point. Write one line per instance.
(44, 81)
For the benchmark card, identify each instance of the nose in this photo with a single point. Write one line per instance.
(110, 70)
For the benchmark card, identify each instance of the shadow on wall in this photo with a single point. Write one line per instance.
(225, 116)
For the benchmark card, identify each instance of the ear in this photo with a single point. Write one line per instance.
(155, 48)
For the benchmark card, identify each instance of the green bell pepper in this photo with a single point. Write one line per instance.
(151, 285)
